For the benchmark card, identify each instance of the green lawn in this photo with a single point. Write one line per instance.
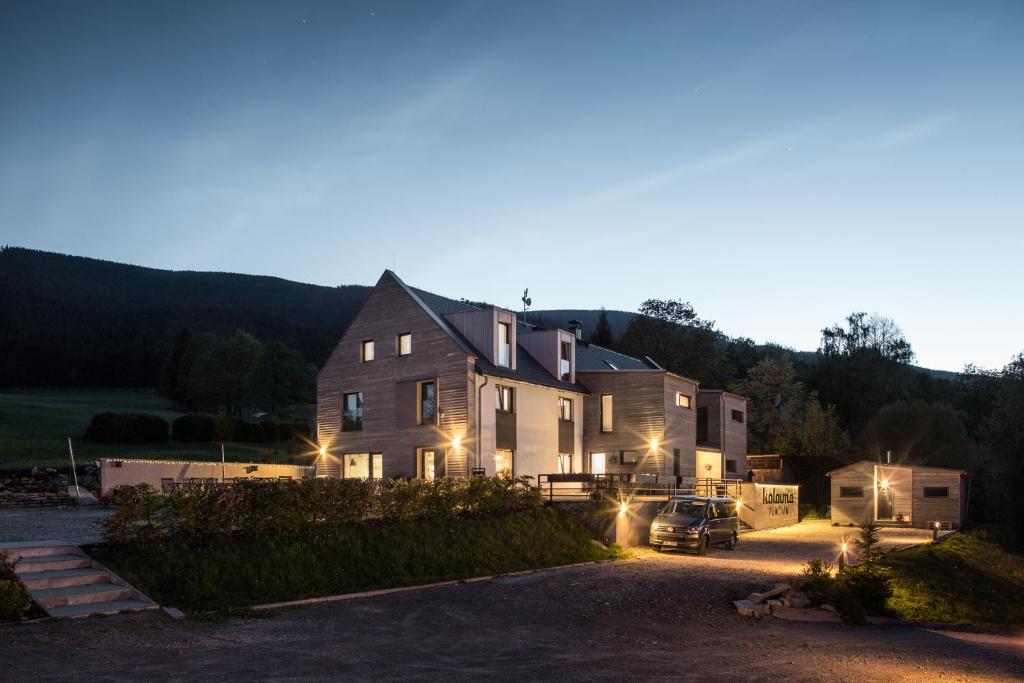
(966, 579)
(35, 425)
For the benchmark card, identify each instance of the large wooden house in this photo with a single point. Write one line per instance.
(425, 386)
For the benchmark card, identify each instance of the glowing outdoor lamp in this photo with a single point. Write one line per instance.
(457, 442)
(654, 444)
(842, 555)
(885, 484)
(622, 507)
(323, 450)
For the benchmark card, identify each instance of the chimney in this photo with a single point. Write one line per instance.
(576, 327)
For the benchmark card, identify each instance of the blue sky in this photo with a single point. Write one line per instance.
(778, 164)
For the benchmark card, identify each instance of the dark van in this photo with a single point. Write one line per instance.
(696, 522)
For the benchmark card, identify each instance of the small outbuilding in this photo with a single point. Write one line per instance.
(913, 495)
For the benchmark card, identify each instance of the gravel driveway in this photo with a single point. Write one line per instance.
(651, 616)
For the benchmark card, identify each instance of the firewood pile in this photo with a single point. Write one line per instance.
(786, 601)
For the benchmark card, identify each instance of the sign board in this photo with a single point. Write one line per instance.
(766, 506)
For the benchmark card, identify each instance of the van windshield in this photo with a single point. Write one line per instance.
(686, 508)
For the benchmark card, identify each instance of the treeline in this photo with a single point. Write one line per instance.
(856, 398)
(237, 375)
(68, 321)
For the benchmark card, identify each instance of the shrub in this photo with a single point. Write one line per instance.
(308, 505)
(127, 428)
(816, 579)
(863, 589)
(201, 428)
(14, 600)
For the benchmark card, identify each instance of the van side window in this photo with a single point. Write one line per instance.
(725, 509)
(711, 511)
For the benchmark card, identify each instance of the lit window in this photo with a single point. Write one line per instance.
(503, 463)
(682, 400)
(352, 412)
(737, 416)
(851, 491)
(367, 351)
(431, 464)
(630, 457)
(565, 409)
(606, 412)
(565, 463)
(428, 402)
(405, 344)
(504, 399)
(565, 363)
(504, 346)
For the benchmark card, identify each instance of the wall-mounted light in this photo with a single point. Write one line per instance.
(885, 484)
(457, 442)
(654, 444)
(323, 450)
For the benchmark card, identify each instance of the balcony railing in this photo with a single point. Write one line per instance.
(568, 487)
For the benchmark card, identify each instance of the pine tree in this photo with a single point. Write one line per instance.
(602, 334)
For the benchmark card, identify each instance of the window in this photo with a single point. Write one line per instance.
(428, 402)
(504, 346)
(352, 412)
(357, 465)
(682, 400)
(565, 364)
(503, 463)
(702, 424)
(367, 351)
(936, 492)
(730, 466)
(851, 491)
(405, 344)
(565, 463)
(606, 412)
(629, 457)
(431, 465)
(737, 416)
(504, 400)
(565, 408)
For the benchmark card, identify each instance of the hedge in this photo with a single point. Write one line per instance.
(202, 428)
(120, 428)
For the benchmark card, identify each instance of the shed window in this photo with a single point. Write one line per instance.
(682, 400)
(737, 416)
(936, 492)
(630, 457)
(851, 491)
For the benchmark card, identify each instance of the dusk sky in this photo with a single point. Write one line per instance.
(778, 164)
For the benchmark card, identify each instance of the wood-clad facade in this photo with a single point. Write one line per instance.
(902, 494)
(388, 383)
(413, 390)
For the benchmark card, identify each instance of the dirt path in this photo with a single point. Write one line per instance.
(652, 616)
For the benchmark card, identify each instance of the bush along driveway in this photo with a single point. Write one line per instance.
(222, 547)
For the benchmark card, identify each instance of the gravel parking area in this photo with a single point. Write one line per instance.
(79, 525)
(651, 616)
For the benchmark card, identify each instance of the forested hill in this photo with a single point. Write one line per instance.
(74, 321)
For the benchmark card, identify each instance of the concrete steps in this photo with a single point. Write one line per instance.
(66, 583)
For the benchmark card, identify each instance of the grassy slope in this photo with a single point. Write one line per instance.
(35, 425)
(966, 579)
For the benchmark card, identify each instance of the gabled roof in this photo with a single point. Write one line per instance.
(527, 367)
(594, 357)
(870, 463)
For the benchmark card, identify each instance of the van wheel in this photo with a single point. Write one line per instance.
(704, 545)
(733, 540)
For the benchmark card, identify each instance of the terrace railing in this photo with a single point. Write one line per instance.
(583, 486)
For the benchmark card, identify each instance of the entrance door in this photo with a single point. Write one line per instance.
(597, 461)
(884, 502)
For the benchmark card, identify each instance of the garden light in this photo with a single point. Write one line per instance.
(622, 507)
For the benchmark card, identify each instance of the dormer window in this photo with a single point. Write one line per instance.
(565, 361)
(504, 345)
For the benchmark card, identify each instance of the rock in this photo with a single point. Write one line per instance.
(829, 608)
(746, 608)
(774, 603)
(174, 612)
(779, 589)
(795, 602)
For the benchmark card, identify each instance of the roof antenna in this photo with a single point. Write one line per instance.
(526, 302)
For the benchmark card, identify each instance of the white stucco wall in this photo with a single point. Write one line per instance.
(121, 472)
(713, 458)
(766, 506)
(536, 409)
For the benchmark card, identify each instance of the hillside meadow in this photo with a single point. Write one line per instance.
(36, 423)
